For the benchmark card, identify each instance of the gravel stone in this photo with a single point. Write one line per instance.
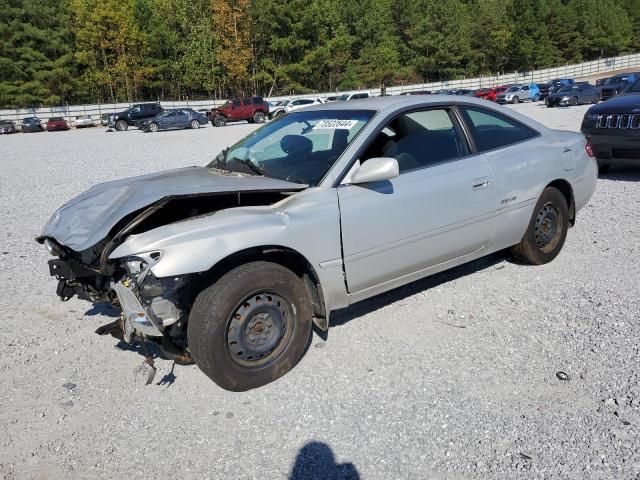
(492, 383)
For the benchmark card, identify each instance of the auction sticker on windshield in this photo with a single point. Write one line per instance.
(335, 124)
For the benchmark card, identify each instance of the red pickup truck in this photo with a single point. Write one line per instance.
(253, 110)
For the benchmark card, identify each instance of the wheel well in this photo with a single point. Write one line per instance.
(284, 256)
(565, 188)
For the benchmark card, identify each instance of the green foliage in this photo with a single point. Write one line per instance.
(52, 52)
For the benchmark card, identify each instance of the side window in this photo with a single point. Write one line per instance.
(257, 100)
(525, 89)
(306, 102)
(246, 101)
(493, 130)
(236, 103)
(419, 139)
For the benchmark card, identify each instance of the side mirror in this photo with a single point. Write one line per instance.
(376, 170)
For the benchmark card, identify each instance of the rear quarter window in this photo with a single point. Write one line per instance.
(492, 130)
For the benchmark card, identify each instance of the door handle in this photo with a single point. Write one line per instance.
(480, 183)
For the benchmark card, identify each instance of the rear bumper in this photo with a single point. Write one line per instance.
(615, 146)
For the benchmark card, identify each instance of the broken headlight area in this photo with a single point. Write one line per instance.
(154, 309)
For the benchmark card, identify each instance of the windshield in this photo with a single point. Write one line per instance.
(513, 89)
(300, 147)
(56, 119)
(634, 87)
(614, 80)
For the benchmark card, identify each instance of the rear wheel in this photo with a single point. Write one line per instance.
(547, 229)
(121, 125)
(536, 98)
(596, 99)
(251, 326)
(259, 117)
(516, 100)
(195, 124)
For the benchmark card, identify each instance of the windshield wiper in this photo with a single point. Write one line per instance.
(252, 166)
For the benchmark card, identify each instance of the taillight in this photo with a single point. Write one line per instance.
(588, 149)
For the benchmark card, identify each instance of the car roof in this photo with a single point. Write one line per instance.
(404, 102)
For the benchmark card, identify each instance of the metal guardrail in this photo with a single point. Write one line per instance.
(580, 70)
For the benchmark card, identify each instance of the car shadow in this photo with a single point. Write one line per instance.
(316, 461)
(622, 173)
(103, 308)
(340, 317)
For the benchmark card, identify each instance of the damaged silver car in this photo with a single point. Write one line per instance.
(230, 264)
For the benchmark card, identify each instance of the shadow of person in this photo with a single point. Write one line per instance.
(315, 461)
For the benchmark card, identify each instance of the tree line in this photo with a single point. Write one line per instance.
(52, 52)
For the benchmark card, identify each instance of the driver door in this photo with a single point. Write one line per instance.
(440, 208)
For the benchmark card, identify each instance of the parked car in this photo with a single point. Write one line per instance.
(519, 93)
(613, 129)
(493, 93)
(353, 96)
(296, 104)
(482, 92)
(7, 126)
(461, 91)
(616, 84)
(578, 94)
(56, 124)
(172, 119)
(230, 264)
(133, 115)
(253, 110)
(83, 121)
(417, 92)
(32, 124)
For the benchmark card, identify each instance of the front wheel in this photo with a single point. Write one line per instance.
(251, 326)
(259, 117)
(195, 124)
(574, 101)
(516, 100)
(121, 125)
(219, 121)
(547, 229)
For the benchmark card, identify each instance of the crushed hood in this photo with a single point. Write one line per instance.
(86, 219)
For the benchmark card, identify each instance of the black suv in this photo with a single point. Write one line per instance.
(133, 115)
(613, 129)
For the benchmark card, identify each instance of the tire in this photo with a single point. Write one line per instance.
(121, 125)
(539, 245)
(259, 117)
(596, 100)
(222, 339)
(602, 169)
(536, 98)
(153, 127)
(279, 114)
(195, 124)
(219, 121)
(574, 101)
(515, 100)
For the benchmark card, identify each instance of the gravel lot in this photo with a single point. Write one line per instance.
(451, 377)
